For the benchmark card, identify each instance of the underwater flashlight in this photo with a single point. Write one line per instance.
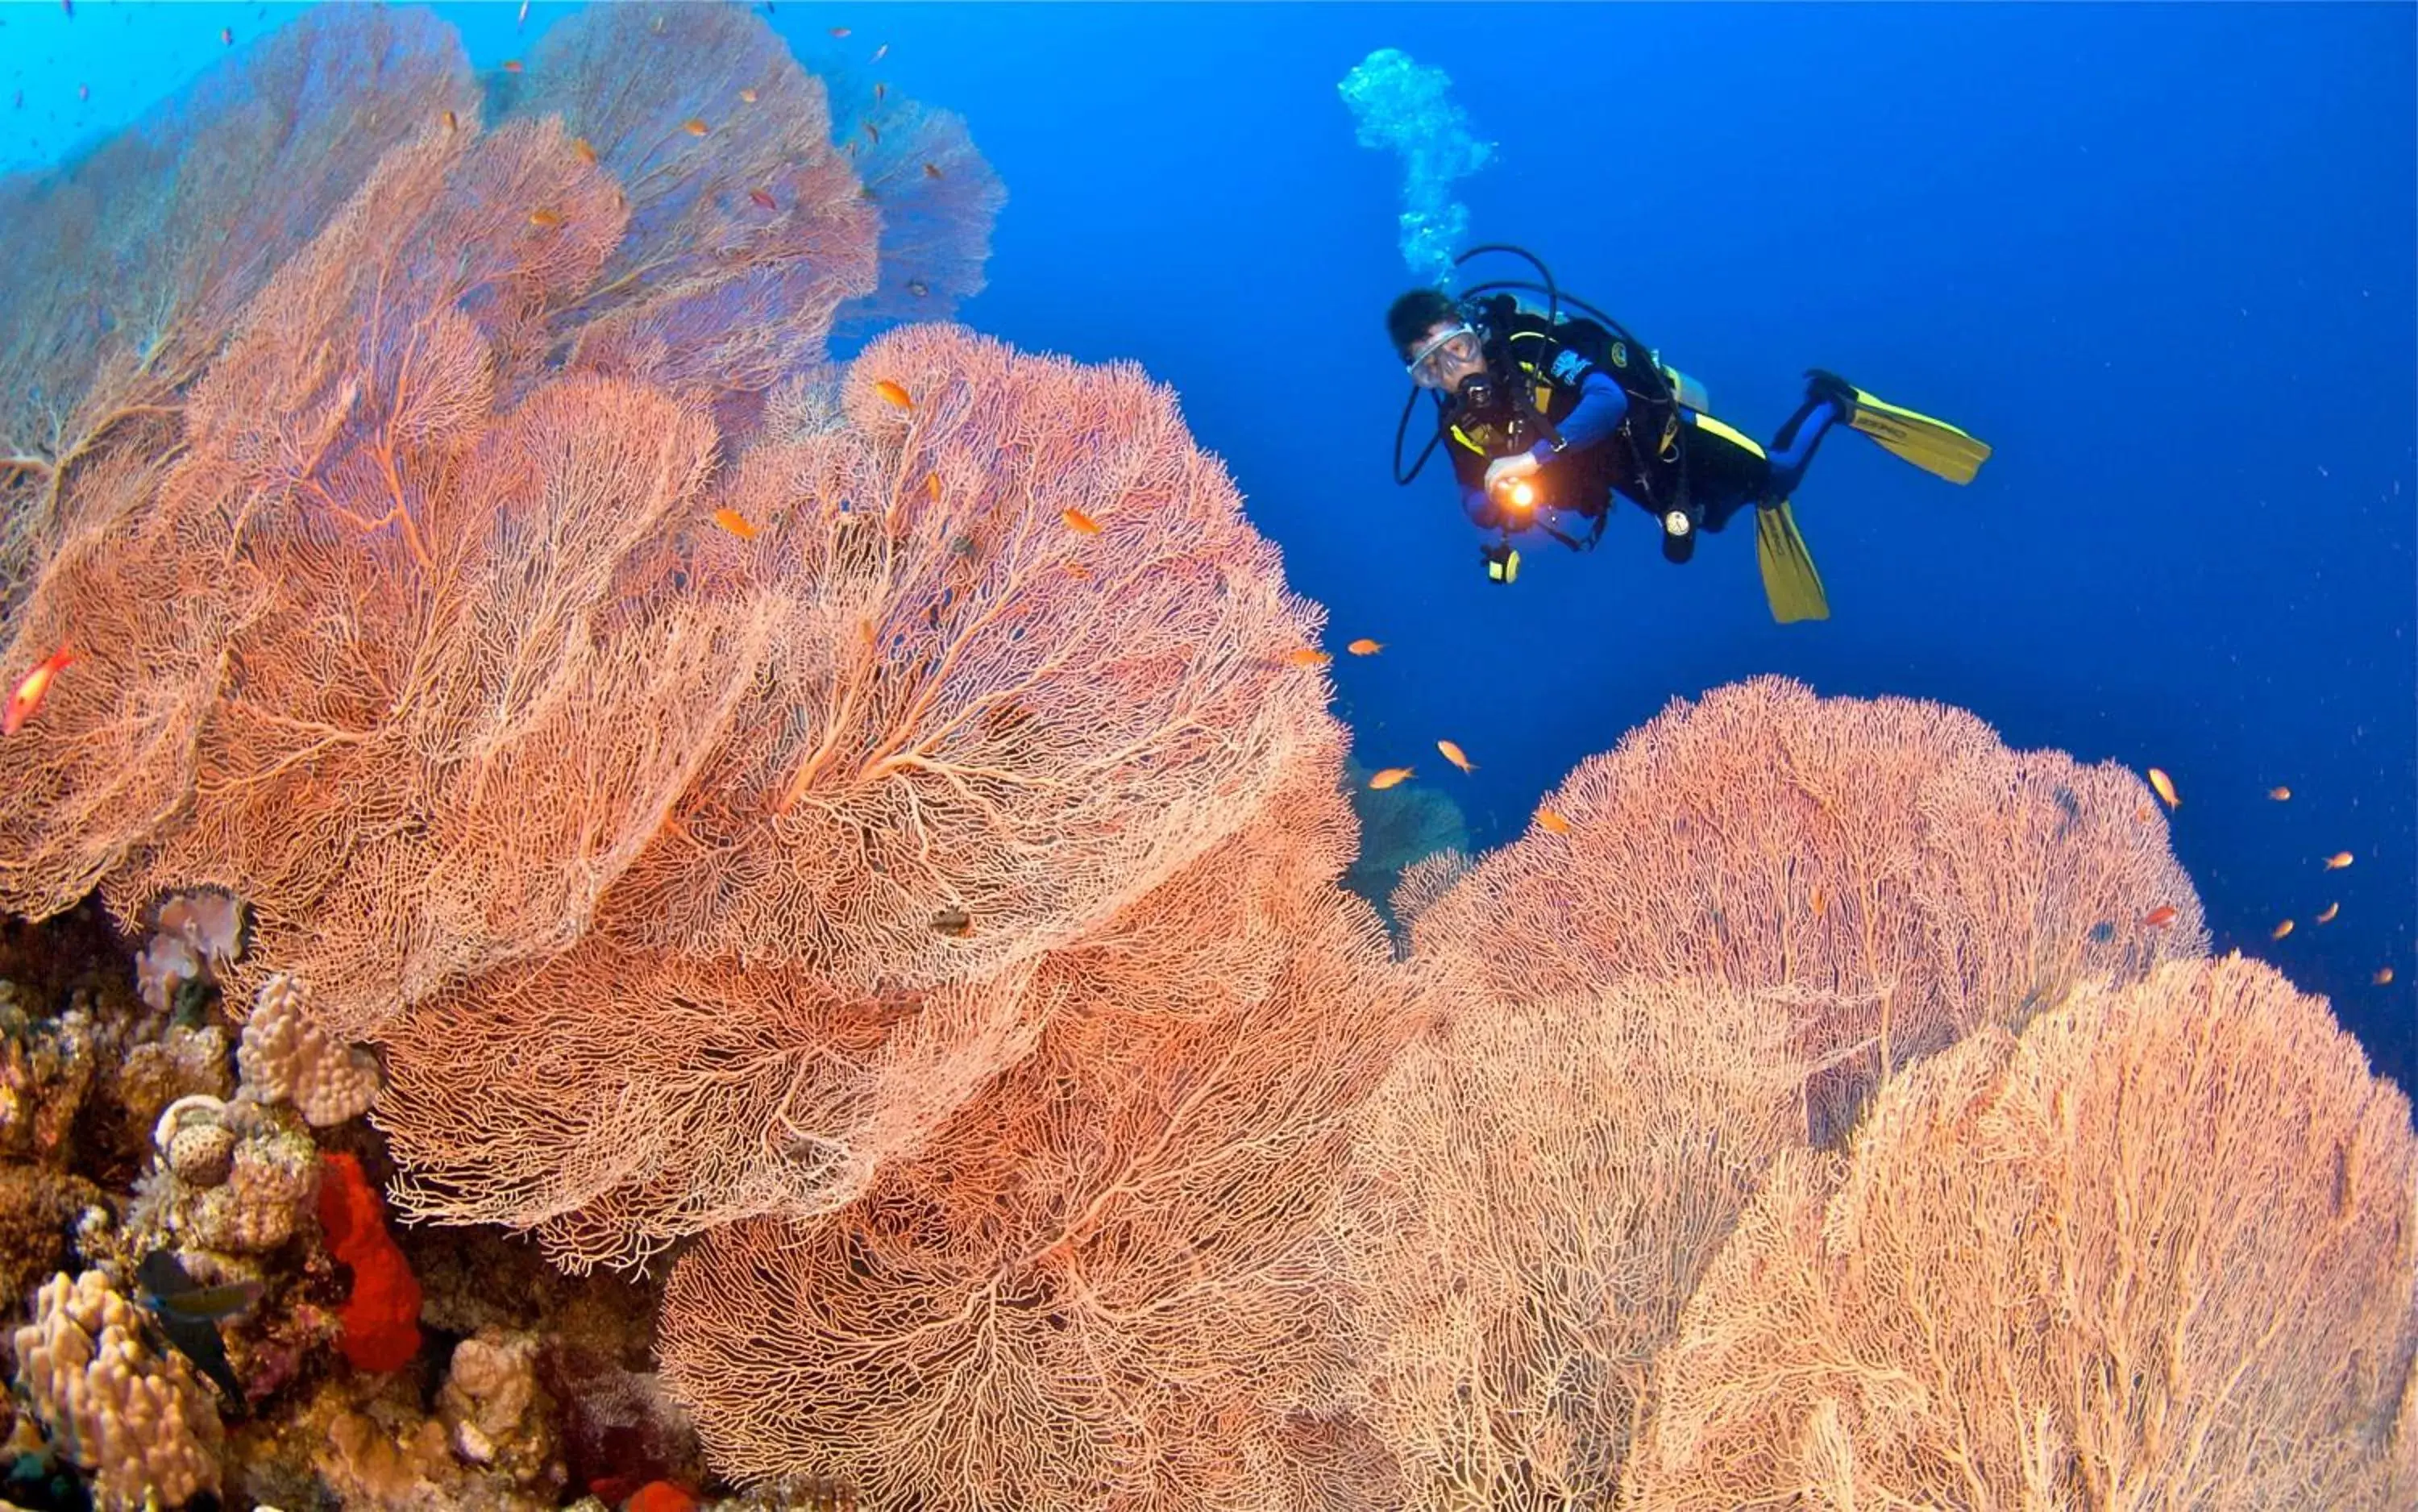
(1519, 496)
(1677, 523)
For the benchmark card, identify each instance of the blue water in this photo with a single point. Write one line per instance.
(2161, 257)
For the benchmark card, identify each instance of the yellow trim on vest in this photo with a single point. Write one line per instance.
(1706, 422)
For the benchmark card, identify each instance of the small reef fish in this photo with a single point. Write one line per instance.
(1389, 777)
(2328, 917)
(31, 690)
(839, 33)
(2281, 795)
(1819, 901)
(453, 122)
(189, 1315)
(2159, 917)
(931, 170)
(1308, 656)
(512, 65)
(747, 96)
(1364, 647)
(933, 486)
(1552, 823)
(762, 199)
(953, 922)
(2383, 976)
(2280, 930)
(2164, 787)
(2339, 860)
(880, 53)
(695, 126)
(1452, 753)
(879, 91)
(917, 287)
(521, 19)
(871, 132)
(544, 219)
(227, 37)
(736, 522)
(1081, 523)
(892, 393)
(584, 151)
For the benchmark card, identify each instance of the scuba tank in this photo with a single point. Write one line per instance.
(1690, 393)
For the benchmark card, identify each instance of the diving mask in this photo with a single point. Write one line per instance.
(1455, 348)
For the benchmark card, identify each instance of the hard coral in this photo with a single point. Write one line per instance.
(134, 1417)
(381, 1318)
(287, 1058)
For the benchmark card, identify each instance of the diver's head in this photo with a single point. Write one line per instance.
(1438, 346)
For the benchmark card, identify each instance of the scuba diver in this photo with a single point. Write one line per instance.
(1550, 417)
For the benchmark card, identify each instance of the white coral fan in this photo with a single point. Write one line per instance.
(133, 1416)
(198, 933)
(286, 1058)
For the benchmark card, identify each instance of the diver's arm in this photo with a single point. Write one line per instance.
(1602, 406)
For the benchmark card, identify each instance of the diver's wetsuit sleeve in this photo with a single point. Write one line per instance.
(1601, 406)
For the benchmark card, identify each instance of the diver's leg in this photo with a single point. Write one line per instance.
(1792, 450)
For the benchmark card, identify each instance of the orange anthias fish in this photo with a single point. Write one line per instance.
(893, 394)
(544, 219)
(1364, 647)
(1389, 777)
(2383, 976)
(1081, 523)
(2339, 860)
(762, 199)
(1308, 656)
(933, 486)
(2328, 917)
(28, 696)
(1820, 901)
(747, 96)
(2164, 787)
(2159, 917)
(2280, 930)
(2281, 795)
(736, 522)
(1452, 754)
(1551, 822)
(695, 126)
(512, 65)
(839, 32)
(582, 149)
(453, 122)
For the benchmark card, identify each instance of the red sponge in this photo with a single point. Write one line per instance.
(382, 1316)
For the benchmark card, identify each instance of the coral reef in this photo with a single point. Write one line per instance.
(136, 1418)
(876, 834)
(287, 1058)
(2159, 1244)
